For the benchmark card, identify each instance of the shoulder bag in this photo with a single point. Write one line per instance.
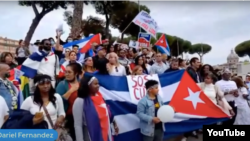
(63, 134)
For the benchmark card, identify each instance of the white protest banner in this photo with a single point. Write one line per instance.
(145, 21)
(136, 85)
(133, 44)
(60, 29)
(18, 74)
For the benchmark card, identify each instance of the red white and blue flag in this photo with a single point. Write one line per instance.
(162, 45)
(193, 108)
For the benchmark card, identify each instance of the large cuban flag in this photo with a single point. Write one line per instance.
(193, 108)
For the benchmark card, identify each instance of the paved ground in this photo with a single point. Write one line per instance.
(189, 139)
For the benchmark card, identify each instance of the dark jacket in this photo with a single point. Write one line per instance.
(100, 64)
(194, 74)
(22, 119)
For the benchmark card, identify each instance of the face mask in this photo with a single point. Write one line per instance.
(7, 75)
(52, 42)
(69, 41)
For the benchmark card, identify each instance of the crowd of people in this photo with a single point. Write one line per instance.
(64, 89)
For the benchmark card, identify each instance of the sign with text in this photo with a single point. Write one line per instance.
(145, 21)
(144, 39)
(136, 85)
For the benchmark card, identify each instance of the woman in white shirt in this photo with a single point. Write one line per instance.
(45, 99)
(214, 93)
(113, 66)
(243, 110)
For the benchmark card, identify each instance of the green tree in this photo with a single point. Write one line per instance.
(243, 48)
(47, 7)
(89, 25)
(124, 40)
(108, 9)
(201, 49)
(122, 19)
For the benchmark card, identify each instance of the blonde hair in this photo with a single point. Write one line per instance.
(116, 58)
(136, 68)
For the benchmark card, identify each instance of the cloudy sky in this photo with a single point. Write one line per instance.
(223, 25)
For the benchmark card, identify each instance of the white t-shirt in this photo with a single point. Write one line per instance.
(3, 110)
(47, 66)
(53, 111)
(240, 101)
(118, 71)
(227, 86)
(209, 91)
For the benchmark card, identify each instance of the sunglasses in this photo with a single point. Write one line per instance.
(44, 81)
(47, 44)
(67, 51)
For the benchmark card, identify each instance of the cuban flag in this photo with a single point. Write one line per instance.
(162, 45)
(193, 108)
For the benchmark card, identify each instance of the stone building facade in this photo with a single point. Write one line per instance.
(8, 45)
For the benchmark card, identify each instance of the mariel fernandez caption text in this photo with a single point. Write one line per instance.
(239, 132)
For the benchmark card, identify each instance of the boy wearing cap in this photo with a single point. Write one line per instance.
(152, 128)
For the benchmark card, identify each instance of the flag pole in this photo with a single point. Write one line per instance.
(126, 27)
(139, 7)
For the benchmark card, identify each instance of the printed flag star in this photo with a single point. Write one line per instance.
(194, 98)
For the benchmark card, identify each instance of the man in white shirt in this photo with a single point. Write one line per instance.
(230, 91)
(4, 115)
(159, 67)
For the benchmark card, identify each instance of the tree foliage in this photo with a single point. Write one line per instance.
(108, 9)
(89, 25)
(47, 6)
(124, 40)
(201, 49)
(177, 45)
(122, 18)
(243, 48)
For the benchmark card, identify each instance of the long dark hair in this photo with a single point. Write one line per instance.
(76, 67)
(84, 90)
(143, 64)
(37, 95)
(211, 69)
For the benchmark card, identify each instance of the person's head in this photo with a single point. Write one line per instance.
(175, 64)
(101, 51)
(67, 50)
(72, 56)
(46, 45)
(139, 60)
(52, 41)
(4, 71)
(226, 74)
(195, 62)
(73, 70)
(70, 39)
(248, 78)
(6, 57)
(89, 85)
(132, 52)
(21, 43)
(158, 57)
(209, 78)
(113, 58)
(206, 68)
(239, 82)
(182, 63)
(152, 87)
(137, 70)
(75, 48)
(145, 51)
(88, 62)
(122, 53)
(111, 49)
(43, 87)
